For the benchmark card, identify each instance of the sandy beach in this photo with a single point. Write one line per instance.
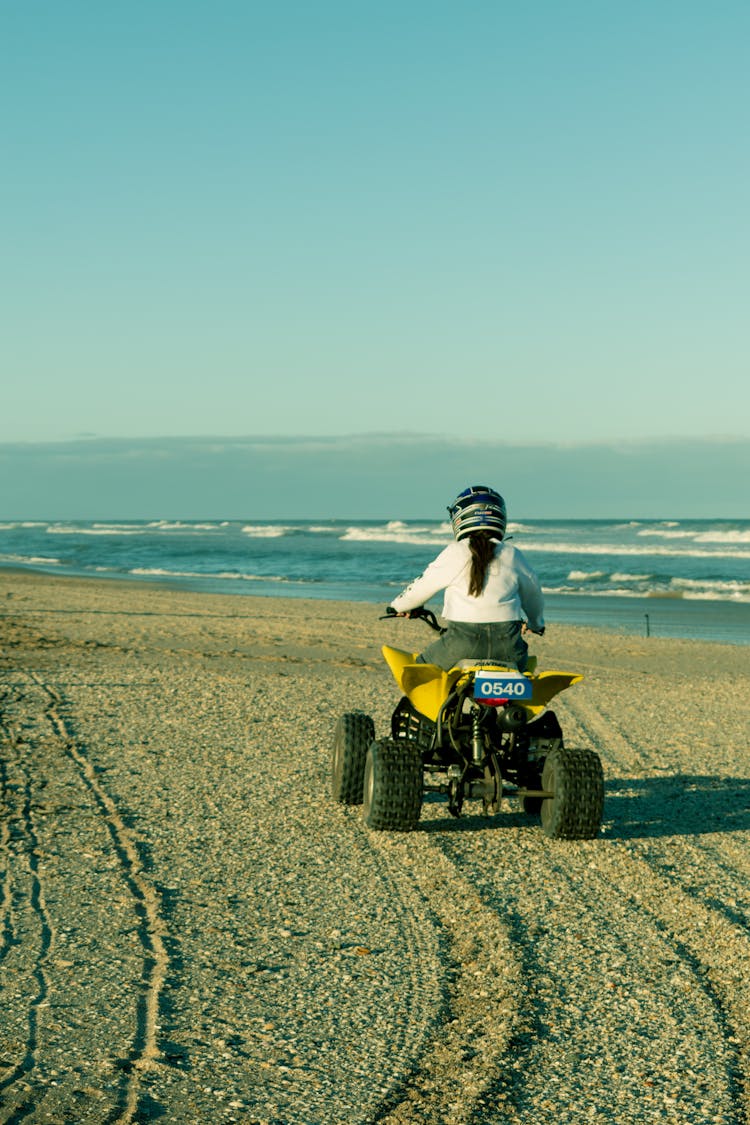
(192, 930)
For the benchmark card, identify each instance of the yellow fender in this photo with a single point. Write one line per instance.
(547, 684)
(428, 686)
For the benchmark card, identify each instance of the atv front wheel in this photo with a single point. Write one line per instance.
(575, 811)
(354, 733)
(393, 786)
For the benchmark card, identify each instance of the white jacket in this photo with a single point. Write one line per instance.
(511, 590)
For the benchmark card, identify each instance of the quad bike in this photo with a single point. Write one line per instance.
(480, 731)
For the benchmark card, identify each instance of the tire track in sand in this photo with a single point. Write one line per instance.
(624, 1006)
(678, 881)
(145, 1053)
(25, 918)
(703, 855)
(449, 1077)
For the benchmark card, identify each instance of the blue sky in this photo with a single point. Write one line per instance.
(490, 221)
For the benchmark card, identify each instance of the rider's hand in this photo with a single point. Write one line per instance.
(526, 628)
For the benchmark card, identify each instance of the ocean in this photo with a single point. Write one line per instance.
(676, 578)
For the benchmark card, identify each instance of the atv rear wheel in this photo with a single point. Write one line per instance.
(393, 786)
(576, 779)
(354, 733)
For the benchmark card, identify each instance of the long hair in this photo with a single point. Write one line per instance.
(482, 553)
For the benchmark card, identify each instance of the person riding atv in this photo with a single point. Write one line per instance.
(492, 595)
(473, 721)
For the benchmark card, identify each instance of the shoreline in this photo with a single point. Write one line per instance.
(677, 618)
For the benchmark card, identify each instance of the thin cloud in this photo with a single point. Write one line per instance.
(368, 476)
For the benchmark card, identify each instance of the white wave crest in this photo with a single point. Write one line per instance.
(573, 591)
(430, 529)
(425, 537)
(713, 596)
(712, 536)
(31, 560)
(14, 525)
(113, 528)
(723, 537)
(661, 533)
(265, 531)
(584, 575)
(231, 575)
(179, 525)
(119, 526)
(706, 588)
(57, 529)
(631, 551)
(679, 589)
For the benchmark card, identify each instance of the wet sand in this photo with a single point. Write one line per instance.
(193, 930)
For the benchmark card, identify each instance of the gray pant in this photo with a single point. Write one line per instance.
(499, 640)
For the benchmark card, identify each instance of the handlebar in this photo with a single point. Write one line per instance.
(429, 618)
(420, 612)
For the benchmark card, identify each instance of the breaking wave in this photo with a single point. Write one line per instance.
(31, 560)
(398, 532)
(265, 531)
(226, 575)
(629, 550)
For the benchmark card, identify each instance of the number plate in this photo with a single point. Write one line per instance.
(494, 688)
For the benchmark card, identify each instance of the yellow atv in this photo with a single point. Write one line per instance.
(480, 731)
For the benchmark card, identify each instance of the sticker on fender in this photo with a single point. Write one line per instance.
(498, 689)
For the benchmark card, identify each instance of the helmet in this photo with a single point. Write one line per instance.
(478, 508)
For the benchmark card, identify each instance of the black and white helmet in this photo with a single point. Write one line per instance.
(478, 508)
